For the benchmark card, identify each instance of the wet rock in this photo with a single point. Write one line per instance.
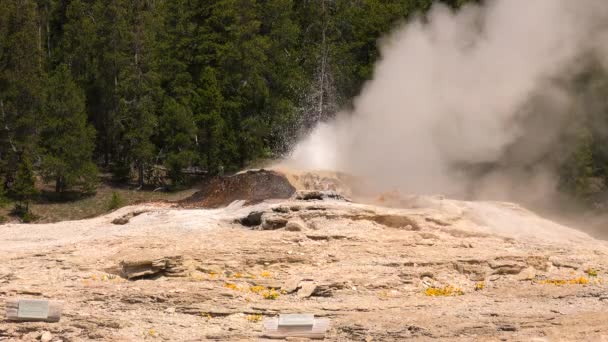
(323, 291)
(327, 290)
(473, 268)
(481, 276)
(423, 242)
(506, 266)
(527, 274)
(291, 285)
(295, 226)
(395, 221)
(325, 237)
(430, 236)
(273, 222)
(46, 336)
(253, 219)
(310, 195)
(127, 217)
(306, 290)
(253, 186)
(310, 289)
(438, 221)
(427, 275)
(281, 209)
(139, 268)
(96, 335)
(506, 327)
(565, 262)
(494, 277)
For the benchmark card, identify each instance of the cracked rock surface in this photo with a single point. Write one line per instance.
(178, 274)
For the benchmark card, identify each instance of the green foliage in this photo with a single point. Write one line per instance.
(578, 172)
(23, 188)
(3, 194)
(130, 85)
(24, 213)
(115, 202)
(177, 127)
(67, 140)
(21, 83)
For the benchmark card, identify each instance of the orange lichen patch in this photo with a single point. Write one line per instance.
(272, 295)
(231, 286)
(266, 274)
(591, 272)
(559, 282)
(480, 286)
(254, 318)
(103, 278)
(447, 291)
(257, 289)
(237, 275)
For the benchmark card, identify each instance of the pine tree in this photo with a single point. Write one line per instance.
(241, 62)
(177, 138)
(21, 81)
(178, 129)
(131, 110)
(284, 74)
(577, 170)
(215, 140)
(67, 139)
(24, 186)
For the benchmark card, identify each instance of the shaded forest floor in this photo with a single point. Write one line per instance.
(73, 206)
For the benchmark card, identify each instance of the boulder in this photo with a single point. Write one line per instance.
(319, 195)
(273, 222)
(253, 219)
(295, 226)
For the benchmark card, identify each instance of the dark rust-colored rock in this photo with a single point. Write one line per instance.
(251, 187)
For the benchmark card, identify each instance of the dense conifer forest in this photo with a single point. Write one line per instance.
(148, 90)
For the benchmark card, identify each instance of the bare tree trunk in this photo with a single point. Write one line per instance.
(323, 66)
(59, 184)
(140, 171)
(48, 31)
(40, 54)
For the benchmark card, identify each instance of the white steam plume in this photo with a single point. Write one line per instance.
(469, 87)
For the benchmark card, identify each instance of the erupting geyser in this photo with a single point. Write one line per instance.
(455, 90)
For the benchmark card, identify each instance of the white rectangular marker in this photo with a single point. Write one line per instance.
(318, 330)
(33, 309)
(296, 320)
